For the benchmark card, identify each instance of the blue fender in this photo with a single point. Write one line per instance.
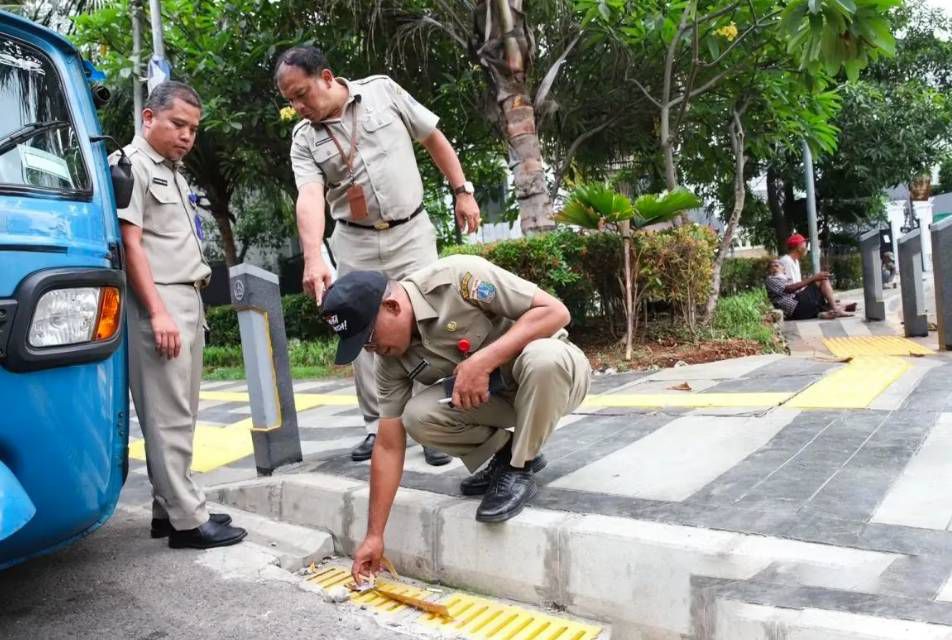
(16, 508)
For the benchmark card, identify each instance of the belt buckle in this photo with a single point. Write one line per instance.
(381, 226)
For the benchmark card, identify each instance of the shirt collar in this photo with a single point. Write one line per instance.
(139, 142)
(422, 309)
(354, 93)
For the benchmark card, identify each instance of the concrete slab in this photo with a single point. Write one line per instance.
(677, 460)
(735, 368)
(921, 497)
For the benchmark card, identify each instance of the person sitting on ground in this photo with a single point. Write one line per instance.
(499, 369)
(806, 299)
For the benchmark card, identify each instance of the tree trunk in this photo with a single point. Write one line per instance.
(504, 50)
(630, 310)
(775, 202)
(223, 220)
(740, 192)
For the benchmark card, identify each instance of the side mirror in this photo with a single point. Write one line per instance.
(123, 180)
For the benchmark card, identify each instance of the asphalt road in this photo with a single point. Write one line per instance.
(119, 583)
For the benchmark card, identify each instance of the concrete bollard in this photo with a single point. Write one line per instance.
(872, 276)
(264, 346)
(910, 274)
(942, 272)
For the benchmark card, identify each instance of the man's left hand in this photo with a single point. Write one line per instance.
(472, 384)
(467, 213)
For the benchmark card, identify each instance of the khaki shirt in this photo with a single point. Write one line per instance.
(457, 297)
(388, 121)
(160, 206)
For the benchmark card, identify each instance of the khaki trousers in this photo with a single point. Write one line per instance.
(396, 252)
(165, 394)
(552, 378)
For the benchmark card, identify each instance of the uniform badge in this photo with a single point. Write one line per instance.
(451, 326)
(485, 292)
(161, 181)
(464, 286)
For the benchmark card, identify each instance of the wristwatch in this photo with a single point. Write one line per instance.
(466, 187)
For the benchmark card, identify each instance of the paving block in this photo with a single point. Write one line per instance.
(854, 386)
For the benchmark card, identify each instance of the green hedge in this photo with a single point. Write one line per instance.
(745, 274)
(301, 321)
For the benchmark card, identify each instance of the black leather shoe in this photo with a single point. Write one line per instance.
(365, 449)
(435, 457)
(207, 536)
(161, 527)
(476, 484)
(507, 496)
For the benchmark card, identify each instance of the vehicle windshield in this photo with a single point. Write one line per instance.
(42, 151)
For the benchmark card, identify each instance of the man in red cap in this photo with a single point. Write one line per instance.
(798, 298)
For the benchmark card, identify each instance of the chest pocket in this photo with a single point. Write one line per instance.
(378, 120)
(165, 209)
(471, 325)
(328, 159)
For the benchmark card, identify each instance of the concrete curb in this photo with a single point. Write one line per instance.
(638, 576)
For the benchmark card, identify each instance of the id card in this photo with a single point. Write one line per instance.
(357, 202)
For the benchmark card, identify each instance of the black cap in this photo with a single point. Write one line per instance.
(350, 308)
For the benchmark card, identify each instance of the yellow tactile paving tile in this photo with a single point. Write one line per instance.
(874, 346)
(484, 619)
(213, 446)
(853, 386)
(472, 617)
(691, 400)
(302, 401)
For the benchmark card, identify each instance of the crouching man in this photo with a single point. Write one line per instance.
(499, 372)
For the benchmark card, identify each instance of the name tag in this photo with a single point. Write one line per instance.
(161, 181)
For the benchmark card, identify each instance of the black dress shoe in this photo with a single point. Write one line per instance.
(365, 449)
(207, 536)
(161, 527)
(435, 457)
(476, 484)
(507, 495)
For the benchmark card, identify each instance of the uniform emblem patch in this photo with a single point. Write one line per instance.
(484, 292)
(464, 286)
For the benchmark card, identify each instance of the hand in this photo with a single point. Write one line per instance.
(472, 384)
(467, 213)
(821, 275)
(317, 278)
(168, 341)
(367, 559)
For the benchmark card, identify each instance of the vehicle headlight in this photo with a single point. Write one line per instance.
(73, 316)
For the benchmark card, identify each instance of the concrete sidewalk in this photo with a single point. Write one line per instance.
(782, 497)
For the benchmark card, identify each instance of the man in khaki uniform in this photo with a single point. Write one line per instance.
(354, 150)
(162, 237)
(504, 341)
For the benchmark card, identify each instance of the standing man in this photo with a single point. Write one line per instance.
(162, 237)
(493, 349)
(354, 150)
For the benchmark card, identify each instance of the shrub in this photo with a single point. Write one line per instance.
(744, 316)
(301, 321)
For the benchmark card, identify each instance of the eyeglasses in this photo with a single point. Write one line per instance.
(369, 345)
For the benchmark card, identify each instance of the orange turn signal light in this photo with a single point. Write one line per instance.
(107, 324)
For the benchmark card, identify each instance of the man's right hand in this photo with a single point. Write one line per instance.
(368, 559)
(821, 276)
(317, 278)
(168, 341)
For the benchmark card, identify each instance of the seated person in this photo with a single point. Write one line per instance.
(805, 299)
(515, 375)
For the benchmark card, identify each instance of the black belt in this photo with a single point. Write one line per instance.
(383, 225)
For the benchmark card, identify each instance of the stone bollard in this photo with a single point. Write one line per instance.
(942, 272)
(910, 275)
(872, 276)
(264, 345)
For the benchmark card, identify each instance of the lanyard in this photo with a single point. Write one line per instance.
(348, 158)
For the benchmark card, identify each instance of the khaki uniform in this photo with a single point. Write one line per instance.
(465, 297)
(165, 392)
(388, 121)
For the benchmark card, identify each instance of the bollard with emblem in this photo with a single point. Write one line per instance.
(872, 276)
(942, 272)
(264, 345)
(910, 275)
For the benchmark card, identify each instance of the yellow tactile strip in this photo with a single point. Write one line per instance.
(472, 617)
(854, 386)
(874, 346)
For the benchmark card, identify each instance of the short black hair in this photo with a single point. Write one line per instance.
(164, 95)
(310, 60)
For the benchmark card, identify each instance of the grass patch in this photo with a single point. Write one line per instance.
(310, 359)
(744, 317)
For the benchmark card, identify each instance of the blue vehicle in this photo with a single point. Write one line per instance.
(64, 416)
